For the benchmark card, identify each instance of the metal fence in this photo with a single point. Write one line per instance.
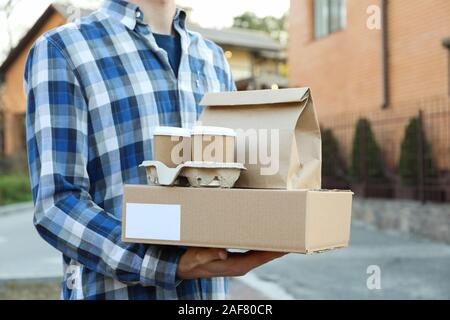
(388, 125)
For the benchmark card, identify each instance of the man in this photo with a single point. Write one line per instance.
(96, 89)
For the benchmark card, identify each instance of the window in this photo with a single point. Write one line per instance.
(329, 16)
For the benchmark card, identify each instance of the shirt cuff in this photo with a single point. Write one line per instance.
(159, 267)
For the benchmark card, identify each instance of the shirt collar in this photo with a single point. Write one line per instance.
(130, 14)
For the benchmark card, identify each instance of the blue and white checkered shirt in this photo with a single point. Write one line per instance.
(96, 89)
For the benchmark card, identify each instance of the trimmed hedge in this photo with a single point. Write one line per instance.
(408, 166)
(333, 164)
(373, 158)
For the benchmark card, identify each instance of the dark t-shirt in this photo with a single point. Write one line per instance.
(172, 45)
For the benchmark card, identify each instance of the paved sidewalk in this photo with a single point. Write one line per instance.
(410, 268)
(24, 255)
(16, 208)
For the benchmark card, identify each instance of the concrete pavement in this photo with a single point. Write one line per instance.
(410, 268)
(23, 254)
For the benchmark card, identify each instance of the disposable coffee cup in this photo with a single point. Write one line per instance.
(171, 145)
(213, 144)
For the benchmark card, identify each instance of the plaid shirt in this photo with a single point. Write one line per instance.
(96, 89)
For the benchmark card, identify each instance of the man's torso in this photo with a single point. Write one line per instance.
(130, 89)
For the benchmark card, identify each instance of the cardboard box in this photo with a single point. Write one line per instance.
(301, 221)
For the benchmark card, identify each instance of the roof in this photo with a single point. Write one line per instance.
(27, 38)
(51, 9)
(239, 38)
(265, 80)
(250, 39)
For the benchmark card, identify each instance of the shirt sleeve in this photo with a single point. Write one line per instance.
(65, 215)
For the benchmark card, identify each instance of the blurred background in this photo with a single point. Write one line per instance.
(379, 71)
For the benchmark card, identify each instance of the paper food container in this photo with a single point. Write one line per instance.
(278, 136)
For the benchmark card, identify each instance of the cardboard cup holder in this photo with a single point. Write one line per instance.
(194, 174)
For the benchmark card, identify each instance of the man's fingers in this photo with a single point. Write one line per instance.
(206, 263)
(196, 257)
(265, 256)
(205, 256)
(259, 257)
(244, 262)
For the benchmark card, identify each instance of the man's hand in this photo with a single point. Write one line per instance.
(198, 263)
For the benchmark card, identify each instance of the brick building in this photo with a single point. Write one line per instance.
(380, 59)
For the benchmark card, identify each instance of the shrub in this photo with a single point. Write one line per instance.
(14, 189)
(408, 166)
(14, 165)
(364, 140)
(333, 164)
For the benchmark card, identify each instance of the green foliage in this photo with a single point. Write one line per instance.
(276, 27)
(366, 154)
(332, 163)
(408, 167)
(14, 165)
(14, 189)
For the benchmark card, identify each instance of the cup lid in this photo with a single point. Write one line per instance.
(172, 131)
(214, 131)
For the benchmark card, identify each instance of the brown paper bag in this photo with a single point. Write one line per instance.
(278, 136)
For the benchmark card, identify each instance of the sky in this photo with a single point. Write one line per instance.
(207, 13)
(214, 13)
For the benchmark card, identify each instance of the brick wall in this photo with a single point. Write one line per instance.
(419, 62)
(342, 69)
(345, 71)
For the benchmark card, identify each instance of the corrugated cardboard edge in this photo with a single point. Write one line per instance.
(253, 248)
(310, 221)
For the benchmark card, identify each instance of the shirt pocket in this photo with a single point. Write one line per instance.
(204, 77)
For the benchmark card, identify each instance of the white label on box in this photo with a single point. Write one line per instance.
(153, 221)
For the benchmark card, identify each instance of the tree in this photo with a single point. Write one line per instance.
(366, 154)
(409, 164)
(333, 164)
(276, 27)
